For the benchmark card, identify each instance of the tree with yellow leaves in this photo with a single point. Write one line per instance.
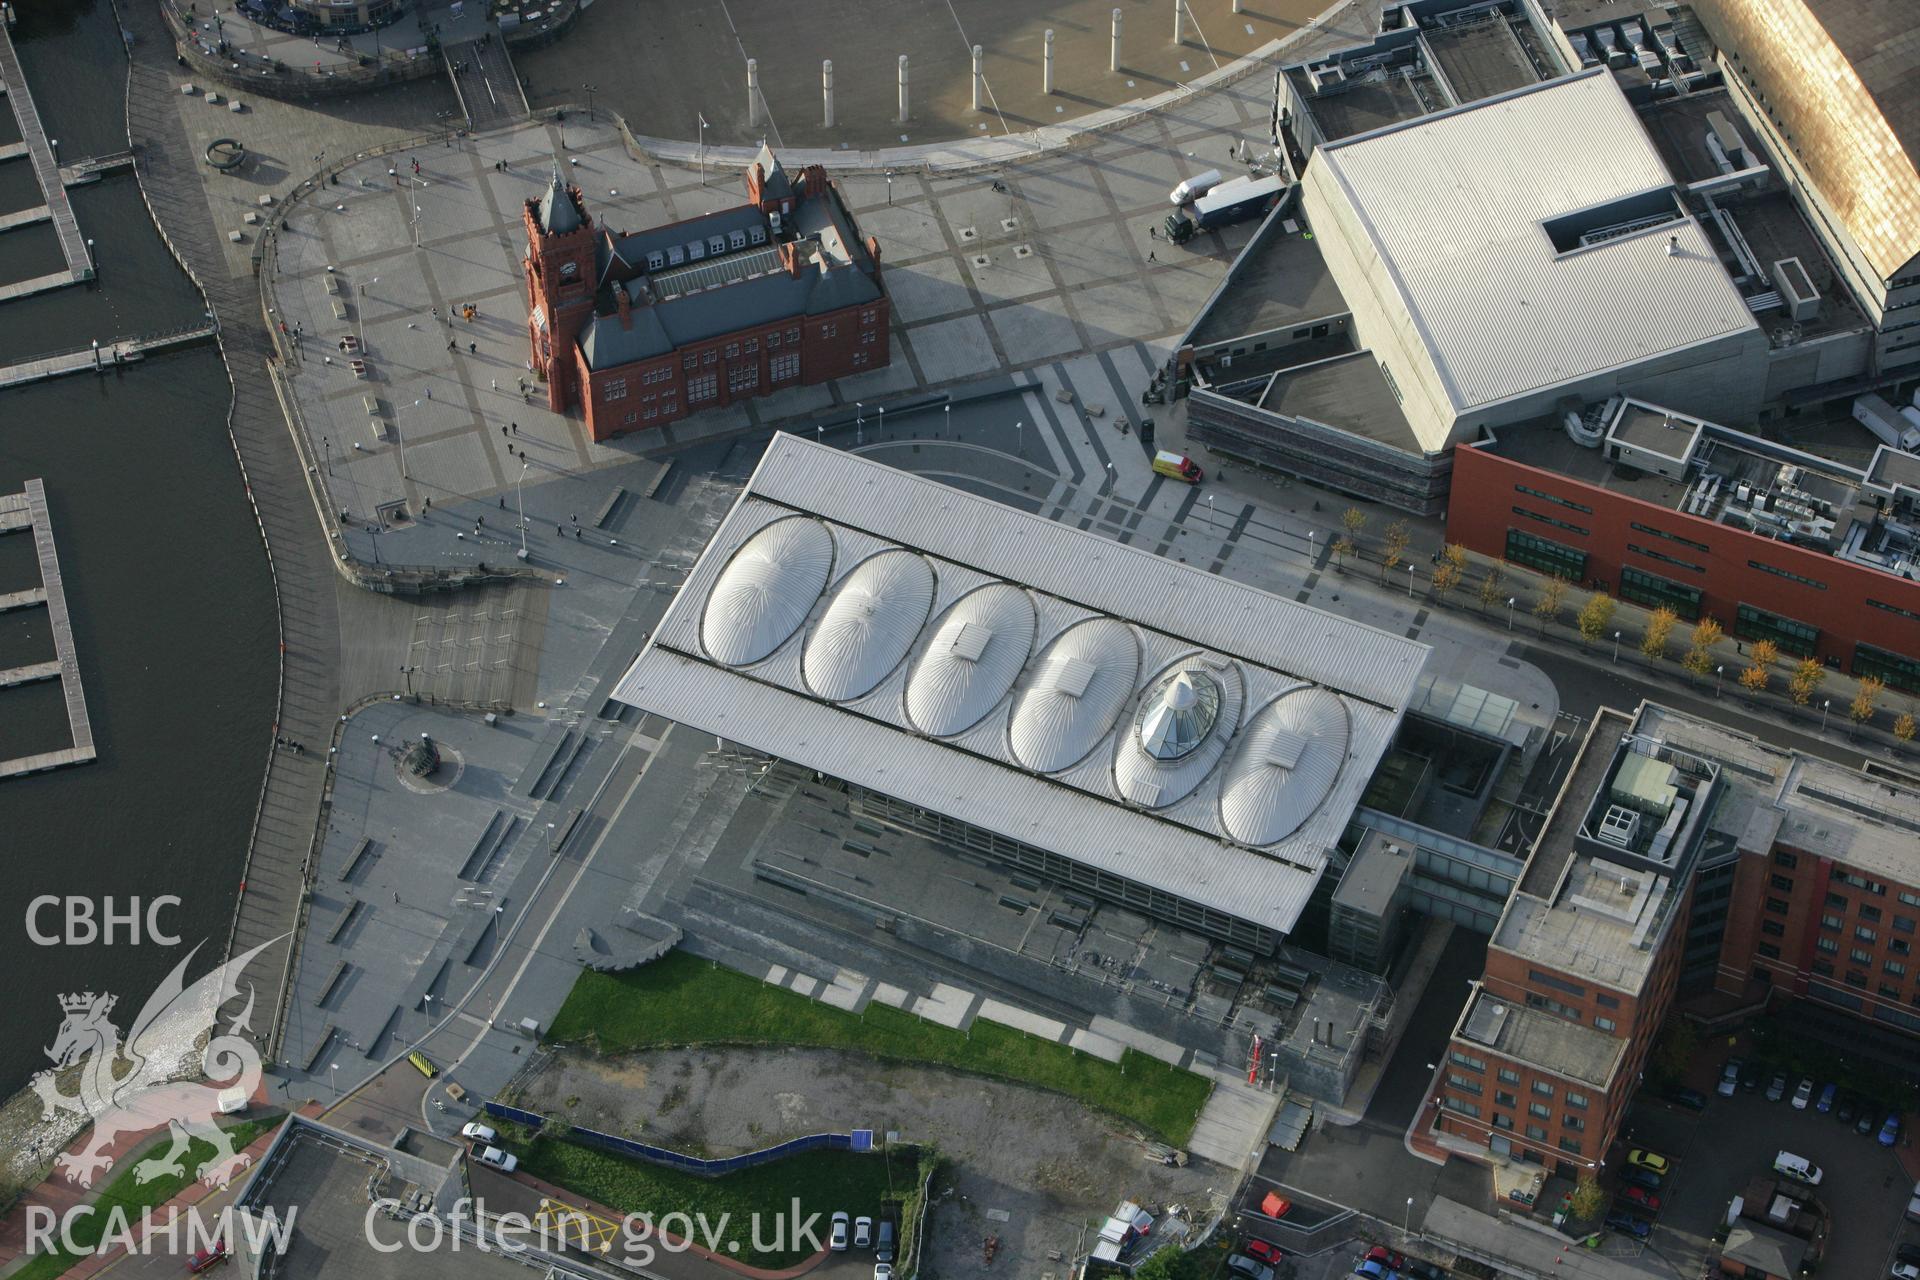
(1865, 699)
(1660, 625)
(1806, 678)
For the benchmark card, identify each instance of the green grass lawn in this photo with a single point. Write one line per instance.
(131, 1197)
(683, 1000)
(822, 1181)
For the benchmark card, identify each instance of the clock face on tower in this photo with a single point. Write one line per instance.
(568, 270)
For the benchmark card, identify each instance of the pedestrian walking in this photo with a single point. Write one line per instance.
(473, 348)
(503, 431)
(573, 517)
(516, 427)
(429, 393)
(450, 344)
(427, 504)
(1150, 257)
(576, 533)
(493, 384)
(503, 504)
(559, 531)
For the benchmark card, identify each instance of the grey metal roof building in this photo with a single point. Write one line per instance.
(1123, 722)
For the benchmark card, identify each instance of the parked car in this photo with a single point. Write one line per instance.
(1386, 1257)
(1641, 1178)
(837, 1239)
(1420, 1269)
(1890, 1129)
(1803, 1095)
(883, 1241)
(208, 1258)
(1691, 1099)
(480, 1133)
(1640, 1158)
(1904, 1271)
(1729, 1077)
(1621, 1220)
(1846, 1108)
(1909, 1252)
(1864, 1125)
(1641, 1198)
(1825, 1102)
(1241, 1264)
(499, 1159)
(1264, 1251)
(1777, 1087)
(1372, 1271)
(883, 1271)
(862, 1232)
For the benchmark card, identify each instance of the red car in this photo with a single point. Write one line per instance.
(1641, 1198)
(1386, 1257)
(1264, 1251)
(204, 1259)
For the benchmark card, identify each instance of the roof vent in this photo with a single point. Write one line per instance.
(1284, 748)
(1069, 676)
(971, 641)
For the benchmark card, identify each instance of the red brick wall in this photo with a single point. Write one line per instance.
(1480, 511)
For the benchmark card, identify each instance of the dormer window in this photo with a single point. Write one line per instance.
(656, 260)
(675, 255)
(716, 245)
(737, 239)
(757, 233)
(696, 250)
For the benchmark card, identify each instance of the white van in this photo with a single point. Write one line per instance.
(1799, 1168)
(1195, 187)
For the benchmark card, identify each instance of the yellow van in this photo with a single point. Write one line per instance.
(1178, 466)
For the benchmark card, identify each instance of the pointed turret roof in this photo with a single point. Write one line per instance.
(777, 185)
(558, 213)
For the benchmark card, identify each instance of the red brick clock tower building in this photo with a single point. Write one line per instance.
(560, 285)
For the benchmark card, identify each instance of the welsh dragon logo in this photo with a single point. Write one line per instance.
(130, 1089)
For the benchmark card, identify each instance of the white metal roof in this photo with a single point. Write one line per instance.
(1453, 204)
(1016, 703)
(1287, 762)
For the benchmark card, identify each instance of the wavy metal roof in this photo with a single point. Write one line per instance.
(875, 616)
(974, 657)
(1080, 684)
(1000, 668)
(765, 591)
(1287, 760)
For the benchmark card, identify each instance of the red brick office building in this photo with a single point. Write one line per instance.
(1594, 529)
(642, 330)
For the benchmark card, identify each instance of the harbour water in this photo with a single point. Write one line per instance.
(166, 577)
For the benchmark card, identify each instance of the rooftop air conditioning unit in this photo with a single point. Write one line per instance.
(1796, 289)
(1620, 827)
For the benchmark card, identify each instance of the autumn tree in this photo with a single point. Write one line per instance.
(1806, 678)
(1660, 625)
(1588, 1198)
(1395, 550)
(1904, 727)
(1493, 587)
(1552, 597)
(1866, 698)
(1706, 634)
(1594, 616)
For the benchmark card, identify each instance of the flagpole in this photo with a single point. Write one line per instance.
(703, 148)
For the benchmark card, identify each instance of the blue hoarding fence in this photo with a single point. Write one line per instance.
(860, 1140)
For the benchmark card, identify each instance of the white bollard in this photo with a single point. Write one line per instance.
(979, 79)
(1113, 57)
(826, 88)
(1046, 64)
(903, 88)
(753, 91)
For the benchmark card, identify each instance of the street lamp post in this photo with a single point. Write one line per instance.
(1510, 600)
(1409, 581)
(1823, 714)
(400, 442)
(703, 149)
(1616, 648)
(1406, 1223)
(1718, 672)
(1313, 546)
(889, 186)
(520, 505)
(1020, 437)
(589, 88)
(859, 424)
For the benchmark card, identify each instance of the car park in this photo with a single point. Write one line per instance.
(1372, 1271)
(1824, 1103)
(1777, 1087)
(1890, 1129)
(1729, 1077)
(1420, 1269)
(1803, 1095)
(480, 1133)
(1640, 1158)
(1622, 1221)
(1846, 1107)
(1642, 1199)
(1241, 1264)
(1691, 1099)
(499, 1159)
(837, 1237)
(862, 1232)
(1646, 1178)
(1264, 1251)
